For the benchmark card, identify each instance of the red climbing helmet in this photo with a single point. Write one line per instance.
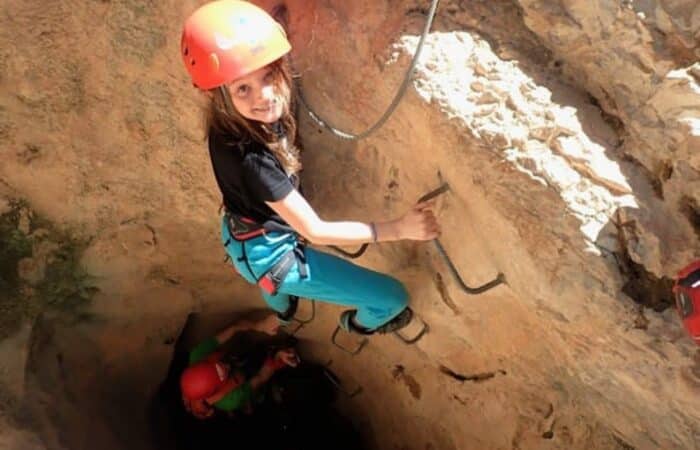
(227, 39)
(200, 381)
(687, 290)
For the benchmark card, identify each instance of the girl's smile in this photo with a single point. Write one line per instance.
(255, 97)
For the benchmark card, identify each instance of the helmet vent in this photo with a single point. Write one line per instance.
(186, 51)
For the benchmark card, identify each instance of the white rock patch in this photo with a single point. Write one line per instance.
(503, 107)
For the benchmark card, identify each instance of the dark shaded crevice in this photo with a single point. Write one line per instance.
(611, 119)
(295, 411)
(461, 401)
(154, 235)
(661, 173)
(444, 294)
(655, 180)
(399, 373)
(476, 378)
(622, 444)
(501, 24)
(642, 286)
(417, 10)
(645, 288)
(690, 209)
(640, 320)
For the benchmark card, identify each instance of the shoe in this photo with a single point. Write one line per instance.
(288, 315)
(347, 323)
(398, 322)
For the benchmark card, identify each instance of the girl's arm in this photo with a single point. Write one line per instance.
(229, 385)
(269, 324)
(282, 358)
(228, 332)
(417, 224)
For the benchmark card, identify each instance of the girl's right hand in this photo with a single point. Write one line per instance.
(288, 356)
(419, 224)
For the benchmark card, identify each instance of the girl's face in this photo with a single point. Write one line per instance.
(256, 97)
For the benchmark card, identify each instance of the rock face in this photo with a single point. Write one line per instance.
(638, 59)
(569, 135)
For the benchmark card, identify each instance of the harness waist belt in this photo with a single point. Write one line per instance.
(242, 229)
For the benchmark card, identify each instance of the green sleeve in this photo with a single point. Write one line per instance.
(236, 398)
(204, 349)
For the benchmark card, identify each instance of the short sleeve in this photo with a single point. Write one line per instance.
(265, 178)
(204, 349)
(236, 398)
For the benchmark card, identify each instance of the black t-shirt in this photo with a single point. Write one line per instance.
(248, 175)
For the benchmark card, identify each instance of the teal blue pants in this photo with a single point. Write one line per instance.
(377, 297)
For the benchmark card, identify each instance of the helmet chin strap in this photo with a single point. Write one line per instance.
(228, 103)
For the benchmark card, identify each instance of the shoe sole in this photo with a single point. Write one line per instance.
(404, 318)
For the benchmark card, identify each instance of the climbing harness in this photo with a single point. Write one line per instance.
(394, 103)
(242, 229)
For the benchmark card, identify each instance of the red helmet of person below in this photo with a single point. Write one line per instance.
(201, 380)
(227, 39)
(687, 291)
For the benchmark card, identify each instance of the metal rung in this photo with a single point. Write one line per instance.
(353, 255)
(500, 278)
(354, 352)
(424, 329)
(313, 314)
(301, 322)
(336, 382)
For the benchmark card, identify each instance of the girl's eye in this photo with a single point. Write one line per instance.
(242, 90)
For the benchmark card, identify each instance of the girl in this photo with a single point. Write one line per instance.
(210, 383)
(235, 52)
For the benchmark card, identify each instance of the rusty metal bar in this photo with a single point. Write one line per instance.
(500, 278)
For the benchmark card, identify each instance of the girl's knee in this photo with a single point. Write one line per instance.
(399, 296)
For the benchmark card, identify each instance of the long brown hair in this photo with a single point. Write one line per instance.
(223, 117)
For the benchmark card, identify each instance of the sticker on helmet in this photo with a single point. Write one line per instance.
(225, 43)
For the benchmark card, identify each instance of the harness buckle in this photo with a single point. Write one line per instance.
(272, 279)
